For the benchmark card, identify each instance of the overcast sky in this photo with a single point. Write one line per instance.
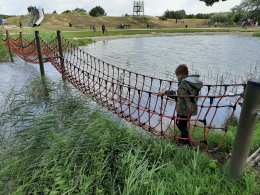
(115, 7)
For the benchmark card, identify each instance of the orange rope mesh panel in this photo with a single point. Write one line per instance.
(23, 48)
(134, 97)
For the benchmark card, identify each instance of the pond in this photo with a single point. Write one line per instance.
(217, 58)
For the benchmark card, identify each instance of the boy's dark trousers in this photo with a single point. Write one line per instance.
(183, 126)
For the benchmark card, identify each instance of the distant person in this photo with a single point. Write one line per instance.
(94, 28)
(20, 23)
(188, 85)
(103, 28)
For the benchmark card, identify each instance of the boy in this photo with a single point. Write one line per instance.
(187, 85)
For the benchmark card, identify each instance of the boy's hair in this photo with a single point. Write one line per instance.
(182, 69)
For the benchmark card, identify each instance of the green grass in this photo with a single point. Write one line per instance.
(48, 36)
(4, 54)
(55, 141)
(256, 34)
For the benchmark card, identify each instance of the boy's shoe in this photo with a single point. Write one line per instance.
(185, 142)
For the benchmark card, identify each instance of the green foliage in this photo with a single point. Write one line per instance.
(54, 12)
(220, 17)
(60, 143)
(256, 34)
(211, 2)
(79, 10)
(97, 11)
(3, 16)
(249, 9)
(66, 12)
(203, 16)
(238, 17)
(180, 14)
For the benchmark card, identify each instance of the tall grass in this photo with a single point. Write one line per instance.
(256, 34)
(61, 143)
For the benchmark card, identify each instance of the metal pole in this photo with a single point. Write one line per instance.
(247, 122)
(61, 53)
(38, 44)
(9, 46)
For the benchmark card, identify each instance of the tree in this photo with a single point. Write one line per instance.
(220, 17)
(180, 14)
(211, 2)
(65, 12)
(80, 10)
(97, 11)
(249, 9)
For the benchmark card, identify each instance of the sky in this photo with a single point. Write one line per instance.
(116, 7)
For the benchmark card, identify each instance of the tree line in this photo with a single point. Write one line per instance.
(3, 16)
(95, 12)
(247, 9)
(181, 14)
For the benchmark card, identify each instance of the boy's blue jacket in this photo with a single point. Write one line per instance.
(190, 85)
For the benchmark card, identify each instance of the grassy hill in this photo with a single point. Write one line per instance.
(61, 21)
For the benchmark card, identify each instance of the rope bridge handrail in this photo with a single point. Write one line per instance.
(134, 97)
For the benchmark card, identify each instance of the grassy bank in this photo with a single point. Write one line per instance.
(55, 141)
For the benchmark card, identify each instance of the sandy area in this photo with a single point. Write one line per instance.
(154, 34)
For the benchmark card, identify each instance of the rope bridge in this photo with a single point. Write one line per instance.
(133, 96)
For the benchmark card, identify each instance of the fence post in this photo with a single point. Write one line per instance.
(21, 39)
(9, 46)
(247, 122)
(61, 53)
(39, 49)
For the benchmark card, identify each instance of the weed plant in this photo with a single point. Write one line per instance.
(56, 141)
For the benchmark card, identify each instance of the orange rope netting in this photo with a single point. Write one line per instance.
(134, 96)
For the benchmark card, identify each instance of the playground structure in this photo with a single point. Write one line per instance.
(133, 96)
(37, 15)
(138, 10)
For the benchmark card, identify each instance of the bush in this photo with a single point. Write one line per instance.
(97, 11)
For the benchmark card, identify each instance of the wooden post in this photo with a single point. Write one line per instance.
(247, 122)
(9, 46)
(21, 39)
(38, 44)
(61, 53)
